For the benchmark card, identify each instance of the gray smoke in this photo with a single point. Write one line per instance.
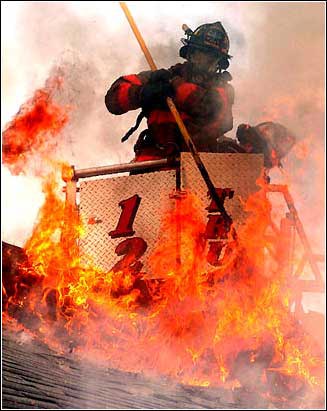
(277, 53)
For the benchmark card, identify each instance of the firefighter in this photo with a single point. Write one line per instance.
(201, 91)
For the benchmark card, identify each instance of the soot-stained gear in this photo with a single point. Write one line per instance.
(156, 91)
(205, 108)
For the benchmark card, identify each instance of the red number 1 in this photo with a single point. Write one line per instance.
(125, 224)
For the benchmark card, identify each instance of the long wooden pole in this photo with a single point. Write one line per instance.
(178, 119)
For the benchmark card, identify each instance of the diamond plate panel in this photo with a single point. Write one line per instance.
(236, 171)
(99, 200)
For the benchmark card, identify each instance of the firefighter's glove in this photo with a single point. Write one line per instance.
(160, 75)
(156, 91)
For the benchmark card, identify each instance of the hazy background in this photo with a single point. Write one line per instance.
(278, 74)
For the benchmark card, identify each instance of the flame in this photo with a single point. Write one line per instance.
(177, 323)
(229, 326)
(35, 129)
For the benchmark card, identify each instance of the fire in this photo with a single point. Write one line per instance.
(35, 129)
(230, 326)
(175, 320)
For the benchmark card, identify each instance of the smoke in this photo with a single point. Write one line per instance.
(285, 83)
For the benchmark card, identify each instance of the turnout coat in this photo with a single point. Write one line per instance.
(204, 102)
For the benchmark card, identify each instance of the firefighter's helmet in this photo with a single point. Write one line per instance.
(211, 38)
(272, 139)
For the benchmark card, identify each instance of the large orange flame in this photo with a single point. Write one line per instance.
(231, 326)
(35, 129)
(179, 320)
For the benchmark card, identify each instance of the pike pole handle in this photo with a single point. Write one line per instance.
(178, 119)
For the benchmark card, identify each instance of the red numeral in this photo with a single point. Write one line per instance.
(127, 216)
(217, 227)
(132, 249)
(215, 249)
(222, 194)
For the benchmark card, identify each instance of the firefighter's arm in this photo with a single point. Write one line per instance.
(124, 94)
(145, 90)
